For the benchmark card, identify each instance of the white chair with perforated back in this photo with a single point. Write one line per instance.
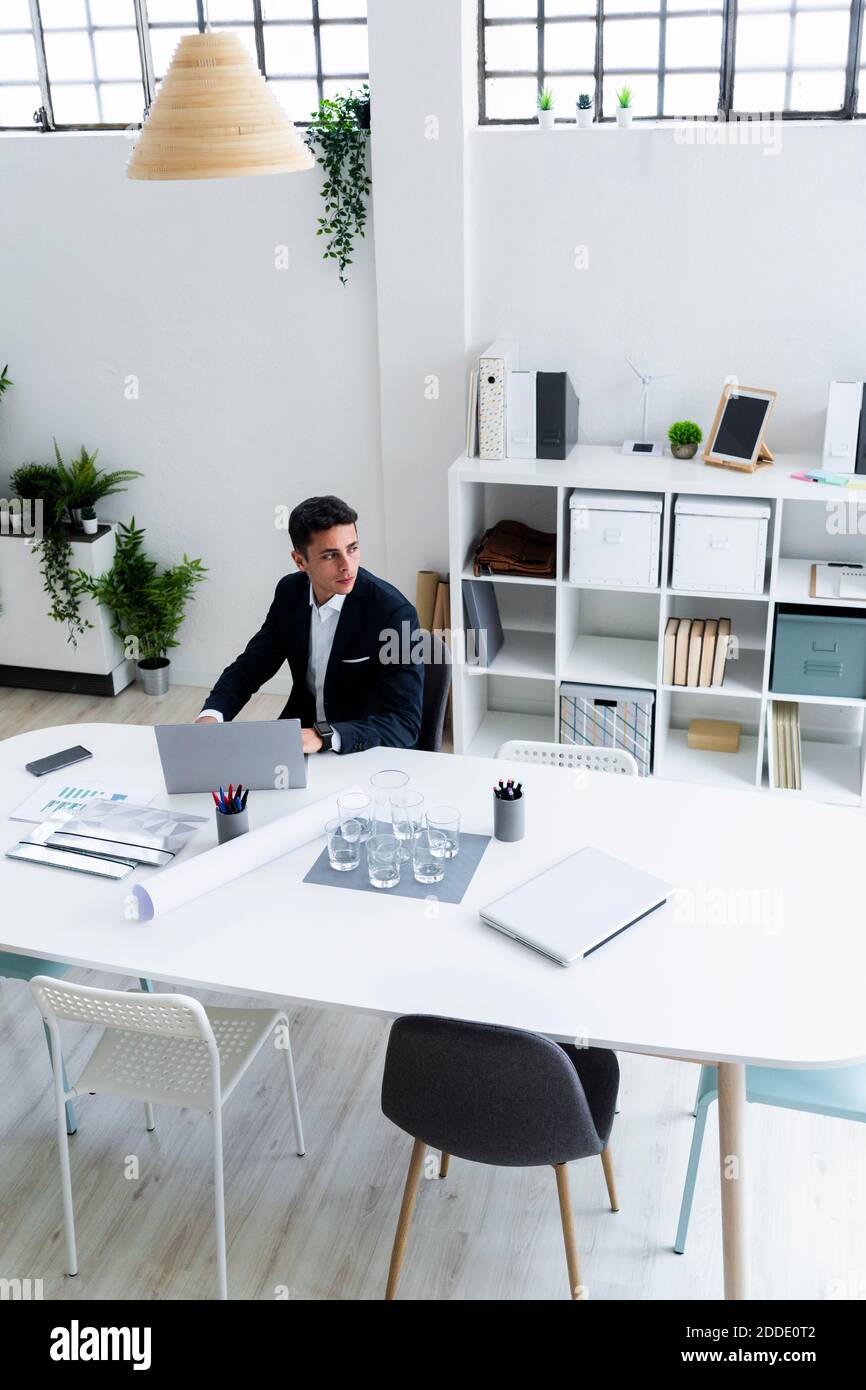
(162, 1049)
(567, 755)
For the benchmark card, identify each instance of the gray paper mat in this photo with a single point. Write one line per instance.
(458, 874)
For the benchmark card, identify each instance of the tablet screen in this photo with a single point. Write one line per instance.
(740, 427)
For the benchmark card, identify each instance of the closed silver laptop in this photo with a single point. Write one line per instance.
(573, 908)
(261, 755)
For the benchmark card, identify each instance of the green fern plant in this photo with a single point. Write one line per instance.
(83, 484)
(145, 605)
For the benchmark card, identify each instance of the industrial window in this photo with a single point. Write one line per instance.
(679, 57)
(93, 64)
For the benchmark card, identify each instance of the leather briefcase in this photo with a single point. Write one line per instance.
(510, 547)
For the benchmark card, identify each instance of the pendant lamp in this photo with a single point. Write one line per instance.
(214, 117)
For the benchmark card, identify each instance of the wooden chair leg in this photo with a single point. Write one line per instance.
(561, 1171)
(444, 1160)
(410, 1193)
(607, 1165)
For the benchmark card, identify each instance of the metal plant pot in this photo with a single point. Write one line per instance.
(684, 451)
(155, 676)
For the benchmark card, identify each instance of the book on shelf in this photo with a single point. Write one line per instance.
(723, 640)
(708, 651)
(681, 651)
(670, 651)
(696, 638)
(785, 747)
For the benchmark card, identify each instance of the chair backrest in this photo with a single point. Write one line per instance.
(486, 1093)
(569, 755)
(437, 684)
(162, 1015)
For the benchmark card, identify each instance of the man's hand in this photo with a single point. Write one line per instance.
(310, 741)
(206, 719)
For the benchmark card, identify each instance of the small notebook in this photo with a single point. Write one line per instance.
(573, 908)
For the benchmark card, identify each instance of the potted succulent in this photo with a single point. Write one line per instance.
(685, 436)
(585, 112)
(89, 521)
(546, 112)
(624, 108)
(148, 608)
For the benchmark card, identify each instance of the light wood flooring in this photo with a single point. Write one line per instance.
(321, 1226)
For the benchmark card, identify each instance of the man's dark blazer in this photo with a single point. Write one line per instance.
(368, 701)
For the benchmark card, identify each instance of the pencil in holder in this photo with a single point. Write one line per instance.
(230, 826)
(509, 818)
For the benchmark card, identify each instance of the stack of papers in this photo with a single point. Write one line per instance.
(63, 797)
(842, 581)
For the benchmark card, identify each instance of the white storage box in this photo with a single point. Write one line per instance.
(615, 538)
(720, 544)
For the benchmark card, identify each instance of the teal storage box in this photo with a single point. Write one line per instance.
(819, 654)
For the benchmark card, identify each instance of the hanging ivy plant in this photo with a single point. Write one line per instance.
(338, 135)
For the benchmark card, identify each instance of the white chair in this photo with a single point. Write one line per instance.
(162, 1049)
(518, 750)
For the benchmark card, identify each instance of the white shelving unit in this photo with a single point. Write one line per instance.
(597, 634)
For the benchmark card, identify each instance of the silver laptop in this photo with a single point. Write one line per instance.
(264, 756)
(570, 910)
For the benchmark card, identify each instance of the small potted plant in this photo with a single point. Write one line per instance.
(546, 112)
(148, 608)
(89, 521)
(624, 108)
(685, 436)
(584, 111)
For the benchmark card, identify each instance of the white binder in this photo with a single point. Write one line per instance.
(494, 364)
(843, 425)
(520, 415)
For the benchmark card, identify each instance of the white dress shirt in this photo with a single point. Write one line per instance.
(323, 626)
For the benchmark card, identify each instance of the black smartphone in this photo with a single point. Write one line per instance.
(58, 760)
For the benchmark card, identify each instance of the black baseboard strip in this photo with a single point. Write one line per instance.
(70, 682)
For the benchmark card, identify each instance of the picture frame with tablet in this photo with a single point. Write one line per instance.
(736, 439)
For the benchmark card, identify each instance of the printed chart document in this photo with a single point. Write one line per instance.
(64, 797)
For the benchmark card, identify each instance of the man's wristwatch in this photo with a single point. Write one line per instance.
(325, 732)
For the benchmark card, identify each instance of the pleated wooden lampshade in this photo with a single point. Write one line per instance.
(214, 117)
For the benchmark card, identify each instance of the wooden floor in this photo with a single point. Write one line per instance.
(321, 1226)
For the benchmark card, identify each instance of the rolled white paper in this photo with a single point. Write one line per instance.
(181, 884)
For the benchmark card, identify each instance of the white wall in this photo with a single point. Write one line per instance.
(257, 386)
(420, 56)
(702, 261)
(260, 386)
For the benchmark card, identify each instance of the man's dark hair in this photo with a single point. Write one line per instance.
(318, 514)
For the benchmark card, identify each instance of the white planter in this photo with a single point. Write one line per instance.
(546, 120)
(584, 118)
(90, 524)
(624, 115)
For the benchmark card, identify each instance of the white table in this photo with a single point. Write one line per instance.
(759, 958)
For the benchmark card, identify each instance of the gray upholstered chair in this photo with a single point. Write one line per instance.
(500, 1096)
(437, 686)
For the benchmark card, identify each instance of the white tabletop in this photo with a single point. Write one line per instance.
(761, 957)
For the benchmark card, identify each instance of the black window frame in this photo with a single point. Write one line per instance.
(43, 119)
(727, 62)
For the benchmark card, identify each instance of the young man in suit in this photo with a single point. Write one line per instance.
(334, 624)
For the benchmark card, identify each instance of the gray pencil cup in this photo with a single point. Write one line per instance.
(509, 818)
(230, 827)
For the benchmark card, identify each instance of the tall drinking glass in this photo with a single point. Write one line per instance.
(383, 861)
(407, 819)
(446, 819)
(384, 785)
(356, 806)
